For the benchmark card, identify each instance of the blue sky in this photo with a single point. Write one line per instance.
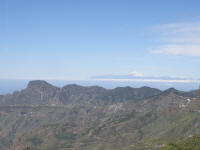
(77, 39)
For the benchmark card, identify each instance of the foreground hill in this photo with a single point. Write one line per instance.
(44, 117)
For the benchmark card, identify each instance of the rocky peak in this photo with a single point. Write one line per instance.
(72, 86)
(173, 91)
(39, 85)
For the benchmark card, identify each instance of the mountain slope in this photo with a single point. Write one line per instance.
(192, 143)
(44, 117)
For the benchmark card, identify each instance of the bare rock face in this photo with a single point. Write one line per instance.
(39, 85)
(37, 93)
(42, 90)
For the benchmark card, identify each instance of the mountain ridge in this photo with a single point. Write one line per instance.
(42, 93)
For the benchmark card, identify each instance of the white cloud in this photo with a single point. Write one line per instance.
(136, 74)
(149, 80)
(178, 49)
(179, 39)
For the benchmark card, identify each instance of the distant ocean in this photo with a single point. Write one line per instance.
(9, 86)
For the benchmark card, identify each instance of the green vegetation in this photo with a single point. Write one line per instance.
(192, 143)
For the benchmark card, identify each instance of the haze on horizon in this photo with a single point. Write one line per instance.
(76, 40)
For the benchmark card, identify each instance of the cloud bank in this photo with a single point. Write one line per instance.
(138, 77)
(148, 80)
(179, 39)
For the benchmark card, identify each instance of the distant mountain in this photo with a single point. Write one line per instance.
(36, 93)
(43, 93)
(181, 93)
(9, 86)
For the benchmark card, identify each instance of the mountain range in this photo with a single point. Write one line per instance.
(43, 93)
(45, 117)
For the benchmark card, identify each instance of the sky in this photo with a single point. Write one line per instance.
(78, 39)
